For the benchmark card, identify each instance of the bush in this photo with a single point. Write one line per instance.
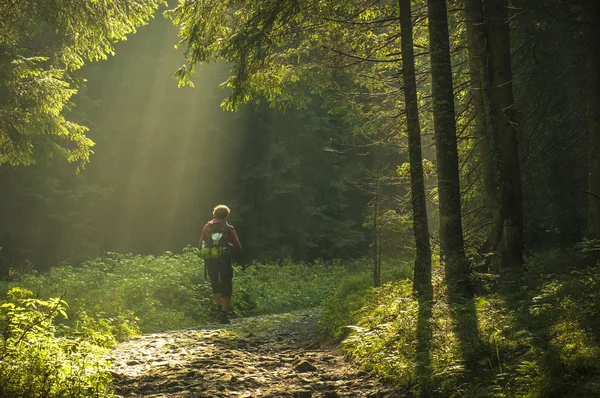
(40, 360)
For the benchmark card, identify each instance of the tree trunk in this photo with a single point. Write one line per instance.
(474, 21)
(451, 237)
(592, 51)
(496, 12)
(376, 276)
(422, 271)
(494, 186)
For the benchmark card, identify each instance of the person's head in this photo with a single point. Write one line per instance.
(221, 212)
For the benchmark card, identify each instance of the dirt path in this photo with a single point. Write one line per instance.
(270, 356)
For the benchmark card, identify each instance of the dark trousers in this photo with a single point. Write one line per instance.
(220, 272)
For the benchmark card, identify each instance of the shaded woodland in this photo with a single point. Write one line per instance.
(405, 165)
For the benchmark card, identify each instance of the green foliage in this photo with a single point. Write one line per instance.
(41, 359)
(591, 247)
(123, 294)
(241, 33)
(395, 231)
(121, 291)
(41, 43)
(347, 303)
(345, 306)
(293, 198)
(32, 113)
(537, 333)
(345, 50)
(280, 287)
(63, 205)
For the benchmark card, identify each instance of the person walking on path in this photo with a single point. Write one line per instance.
(217, 242)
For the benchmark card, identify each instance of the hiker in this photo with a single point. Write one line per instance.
(217, 241)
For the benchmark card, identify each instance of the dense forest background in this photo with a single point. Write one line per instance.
(299, 181)
(165, 156)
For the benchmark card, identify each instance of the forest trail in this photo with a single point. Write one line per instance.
(268, 356)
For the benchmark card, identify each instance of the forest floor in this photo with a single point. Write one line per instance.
(267, 356)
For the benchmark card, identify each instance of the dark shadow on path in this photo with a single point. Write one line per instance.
(464, 316)
(424, 337)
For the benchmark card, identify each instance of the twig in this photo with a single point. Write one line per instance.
(593, 194)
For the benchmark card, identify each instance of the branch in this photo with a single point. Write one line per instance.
(351, 22)
(593, 194)
(358, 57)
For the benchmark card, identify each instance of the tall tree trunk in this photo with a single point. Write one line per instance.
(474, 20)
(592, 33)
(494, 191)
(376, 252)
(422, 271)
(496, 12)
(451, 236)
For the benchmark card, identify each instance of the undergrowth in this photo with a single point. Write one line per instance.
(534, 332)
(286, 286)
(56, 327)
(127, 294)
(40, 358)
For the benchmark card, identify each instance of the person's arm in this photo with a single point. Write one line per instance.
(233, 239)
(203, 236)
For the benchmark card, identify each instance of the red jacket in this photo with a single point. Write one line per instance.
(232, 237)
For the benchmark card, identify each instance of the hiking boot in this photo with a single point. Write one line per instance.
(224, 318)
(214, 312)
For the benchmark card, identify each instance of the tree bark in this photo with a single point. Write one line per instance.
(496, 12)
(494, 186)
(476, 47)
(592, 55)
(451, 236)
(422, 271)
(376, 271)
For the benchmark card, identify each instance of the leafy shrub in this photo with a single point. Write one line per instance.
(37, 360)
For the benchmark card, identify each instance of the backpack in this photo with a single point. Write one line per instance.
(216, 246)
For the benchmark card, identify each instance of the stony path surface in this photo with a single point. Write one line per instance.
(271, 356)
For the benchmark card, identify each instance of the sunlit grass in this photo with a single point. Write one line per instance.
(537, 334)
